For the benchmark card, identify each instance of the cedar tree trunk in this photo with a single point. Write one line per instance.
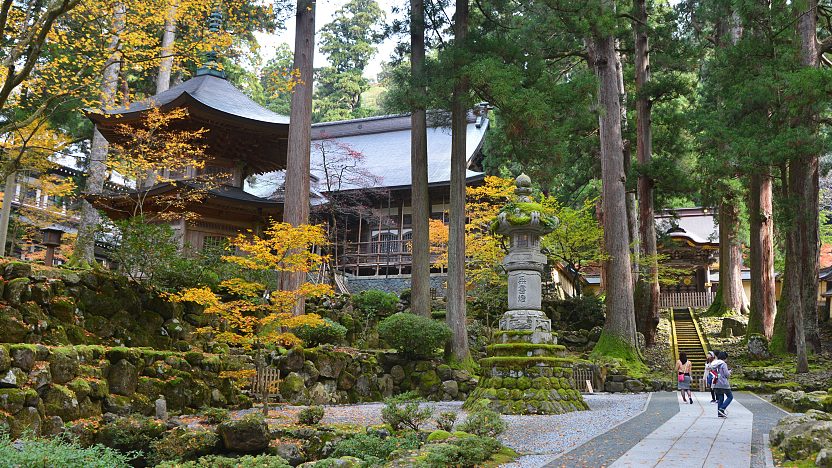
(763, 306)
(619, 327)
(420, 200)
(730, 256)
(647, 307)
(456, 230)
(296, 211)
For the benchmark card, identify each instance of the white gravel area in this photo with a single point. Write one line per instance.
(539, 439)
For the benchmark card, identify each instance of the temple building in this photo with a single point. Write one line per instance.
(243, 139)
(361, 167)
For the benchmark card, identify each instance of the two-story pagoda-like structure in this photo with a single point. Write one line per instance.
(242, 139)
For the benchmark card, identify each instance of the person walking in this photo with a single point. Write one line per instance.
(683, 368)
(722, 384)
(709, 375)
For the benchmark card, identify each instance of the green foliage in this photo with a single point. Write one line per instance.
(133, 432)
(275, 80)
(484, 423)
(349, 42)
(58, 452)
(575, 313)
(311, 415)
(143, 249)
(214, 415)
(376, 303)
(413, 335)
(462, 452)
(373, 449)
(329, 332)
(182, 443)
(446, 420)
(217, 461)
(403, 411)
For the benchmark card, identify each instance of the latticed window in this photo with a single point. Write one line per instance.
(214, 243)
(407, 244)
(385, 242)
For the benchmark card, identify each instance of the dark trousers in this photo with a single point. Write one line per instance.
(724, 397)
(710, 383)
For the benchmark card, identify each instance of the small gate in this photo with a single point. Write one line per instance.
(266, 379)
(580, 376)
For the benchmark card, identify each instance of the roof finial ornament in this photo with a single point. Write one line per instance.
(523, 190)
(210, 60)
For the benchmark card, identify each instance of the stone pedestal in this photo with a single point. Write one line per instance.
(526, 371)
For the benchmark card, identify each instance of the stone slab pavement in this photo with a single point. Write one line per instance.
(672, 434)
(696, 437)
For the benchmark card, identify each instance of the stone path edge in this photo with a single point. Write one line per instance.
(635, 415)
(762, 425)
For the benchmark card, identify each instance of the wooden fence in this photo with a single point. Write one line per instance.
(697, 300)
(579, 379)
(267, 378)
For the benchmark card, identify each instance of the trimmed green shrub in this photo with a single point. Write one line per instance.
(484, 422)
(404, 412)
(373, 449)
(214, 415)
(462, 452)
(182, 444)
(413, 335)
(311, 415)
(330, 332)
(217, 461)
(439, 436)
(375, 303)
(57, 452)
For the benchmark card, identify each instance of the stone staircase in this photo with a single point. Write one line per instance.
(688, 340)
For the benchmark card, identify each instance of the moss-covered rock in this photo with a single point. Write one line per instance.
(63, 364)
(123, 378)
(60, 401)
(13, 329)
(249, 434)
(5, 358)
(17, 291)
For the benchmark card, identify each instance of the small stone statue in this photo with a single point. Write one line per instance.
(162, 408)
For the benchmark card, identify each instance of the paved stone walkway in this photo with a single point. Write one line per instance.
(696, 438)
(671, 434)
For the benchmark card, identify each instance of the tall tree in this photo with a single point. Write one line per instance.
(456, 317)
(420, 198)
(84, 254)
(620, 327)
(349, 42)
(296, 210)
(761, 220)
(647, 288)
(167, 53)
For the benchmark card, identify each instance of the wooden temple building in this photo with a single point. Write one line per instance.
(243, 138)
(362, 167)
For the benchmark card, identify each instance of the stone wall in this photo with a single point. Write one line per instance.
(394, 284)
(328, 375)
(44, 387)
(59, 307)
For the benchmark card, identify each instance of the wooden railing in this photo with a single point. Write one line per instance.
(698, 300)
(377, 254)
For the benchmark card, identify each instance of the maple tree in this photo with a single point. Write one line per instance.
(246, 313)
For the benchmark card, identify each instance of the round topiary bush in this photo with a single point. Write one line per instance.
(413, 335)
(330, 332)
(375, 303)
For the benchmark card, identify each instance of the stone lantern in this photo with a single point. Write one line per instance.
(526, 371)
(51, 239)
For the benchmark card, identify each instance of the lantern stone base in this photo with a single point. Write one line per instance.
(526, 371)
